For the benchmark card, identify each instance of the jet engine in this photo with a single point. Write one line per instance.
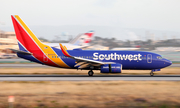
(111, 68)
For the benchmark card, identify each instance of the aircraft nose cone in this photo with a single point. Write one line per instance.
(167, 62)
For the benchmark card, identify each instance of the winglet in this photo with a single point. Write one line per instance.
(63, 49)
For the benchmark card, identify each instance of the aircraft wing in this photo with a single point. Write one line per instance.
(83, 62)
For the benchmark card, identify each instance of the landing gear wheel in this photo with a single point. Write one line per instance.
(90, 73)
(151, 73)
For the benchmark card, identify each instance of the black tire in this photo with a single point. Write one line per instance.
(90, 73)
(152, 74)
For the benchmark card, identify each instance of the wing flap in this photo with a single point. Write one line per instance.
(79, 64)
(83, 66)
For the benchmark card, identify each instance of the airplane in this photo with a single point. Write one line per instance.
(81, 41)
(110, 61)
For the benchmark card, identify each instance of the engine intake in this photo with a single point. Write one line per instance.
(111, 68)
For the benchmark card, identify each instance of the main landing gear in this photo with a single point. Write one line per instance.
(90, 73)
(152, 73)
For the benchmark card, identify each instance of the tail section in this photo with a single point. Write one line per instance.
(24, 35)
(83, 39)
(28, 42)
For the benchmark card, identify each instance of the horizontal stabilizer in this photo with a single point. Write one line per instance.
(21, 52)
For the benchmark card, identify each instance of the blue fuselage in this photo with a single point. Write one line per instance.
(136, 60)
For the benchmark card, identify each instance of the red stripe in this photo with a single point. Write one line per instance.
(65, 52)
(88, 40)
(89, 34)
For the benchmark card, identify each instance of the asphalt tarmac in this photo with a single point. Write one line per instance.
(80, 77)
(87, 78)
(29, 65)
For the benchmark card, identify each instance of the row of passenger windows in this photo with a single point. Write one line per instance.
(86, 57)
(75, 56)
(89, 57)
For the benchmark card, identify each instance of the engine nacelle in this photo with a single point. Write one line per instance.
(111, 68)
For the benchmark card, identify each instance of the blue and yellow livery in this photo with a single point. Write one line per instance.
(31, 48)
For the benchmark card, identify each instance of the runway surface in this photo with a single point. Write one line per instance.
(22, 65)
(87, 78)
(29, 65)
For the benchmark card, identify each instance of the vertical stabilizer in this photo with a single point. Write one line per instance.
(26, 38)
(28, 42)
(83, 39)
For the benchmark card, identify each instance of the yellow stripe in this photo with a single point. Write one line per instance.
(45, 48)
(65, 51)
(65, 47)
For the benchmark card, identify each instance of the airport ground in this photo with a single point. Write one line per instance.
(45, 70)
(91, 94)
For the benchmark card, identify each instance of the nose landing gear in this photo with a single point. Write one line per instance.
(152, 73)
(90, 73)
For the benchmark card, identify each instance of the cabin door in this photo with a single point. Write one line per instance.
(149, 58)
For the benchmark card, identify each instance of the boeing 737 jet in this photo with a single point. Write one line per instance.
(31, 48)
(81, 41)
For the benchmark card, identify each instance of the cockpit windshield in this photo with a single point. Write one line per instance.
(159, 57)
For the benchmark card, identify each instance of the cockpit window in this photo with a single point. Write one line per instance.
(159, 57)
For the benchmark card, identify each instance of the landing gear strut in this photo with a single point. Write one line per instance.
(90, 73)
(152, 73)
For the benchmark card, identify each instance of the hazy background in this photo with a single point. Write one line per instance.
(147, 25)
(122, 19)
